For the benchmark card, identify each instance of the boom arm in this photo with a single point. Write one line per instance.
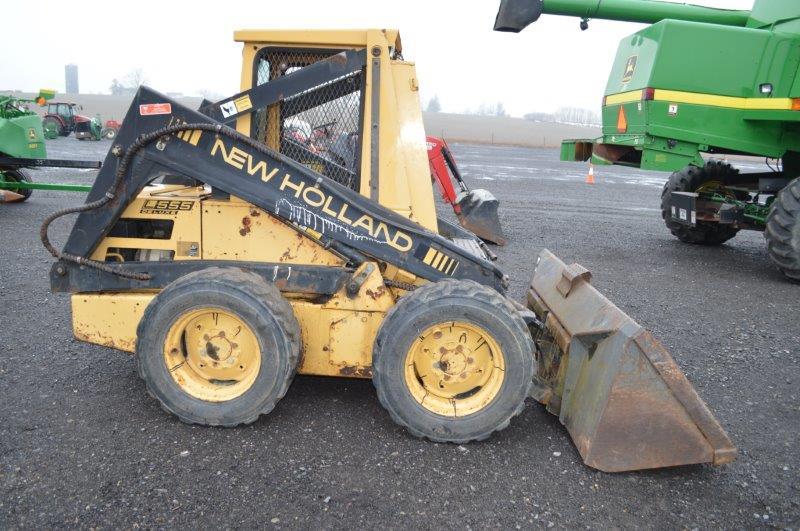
(168, 139)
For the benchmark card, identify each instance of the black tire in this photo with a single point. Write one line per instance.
(57, 124)
(255, 302)
(690, 179)
(19, 176)
(783, 231)
(441, 302)
(109, 133)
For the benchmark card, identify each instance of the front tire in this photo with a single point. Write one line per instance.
(453, 362)
(218, 347)
(690, 179)
(783, 231)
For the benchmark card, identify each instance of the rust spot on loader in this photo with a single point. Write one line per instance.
(356, 371)
(90, 335)
(255, 213)
(245, 229)
(376, 294)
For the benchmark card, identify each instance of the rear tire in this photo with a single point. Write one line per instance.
(19, 176)
(55, 125)
(690, 179)
(109, 133)
(783, 231)
(453, 362)
(218, 347)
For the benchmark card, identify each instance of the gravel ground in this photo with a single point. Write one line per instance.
(82, 445)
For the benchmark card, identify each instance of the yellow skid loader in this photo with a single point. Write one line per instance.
(232, 246)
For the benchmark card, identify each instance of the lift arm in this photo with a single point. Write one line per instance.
(171, 139)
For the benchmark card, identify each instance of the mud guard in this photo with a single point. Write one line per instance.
(625, 402)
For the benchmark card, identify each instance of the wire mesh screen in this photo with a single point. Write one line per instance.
(319, 127)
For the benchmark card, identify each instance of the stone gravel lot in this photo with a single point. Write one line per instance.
(81, 444)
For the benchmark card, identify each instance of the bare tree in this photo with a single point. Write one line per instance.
(434, 105)
(117, 88)
(135, 78)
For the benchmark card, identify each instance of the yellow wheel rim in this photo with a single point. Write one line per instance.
(454, 369)
(212, 354)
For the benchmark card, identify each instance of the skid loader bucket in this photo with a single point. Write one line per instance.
(621, 396)
(477, 212)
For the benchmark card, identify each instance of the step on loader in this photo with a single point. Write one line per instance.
(229, 256)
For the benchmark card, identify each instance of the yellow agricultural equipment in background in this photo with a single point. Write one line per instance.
(229, 253)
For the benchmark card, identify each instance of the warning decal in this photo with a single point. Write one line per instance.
(240, 104)
(150, 109)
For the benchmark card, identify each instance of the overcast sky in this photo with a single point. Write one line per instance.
(187, 47)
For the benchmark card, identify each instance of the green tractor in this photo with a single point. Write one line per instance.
(700, 81)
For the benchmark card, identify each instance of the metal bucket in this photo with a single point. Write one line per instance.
(477, 212)
(619, 393)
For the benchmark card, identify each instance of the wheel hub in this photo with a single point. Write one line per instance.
(212, 354)
(454, 368)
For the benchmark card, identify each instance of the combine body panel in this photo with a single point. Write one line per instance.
(699, 81)
(22, 136)
(260, 243)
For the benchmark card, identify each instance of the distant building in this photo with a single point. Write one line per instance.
(71, 76)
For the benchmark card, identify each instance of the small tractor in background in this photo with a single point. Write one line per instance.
(22, 146)
(90, 129)
(110, 129)
(700, 81)
(61, 119)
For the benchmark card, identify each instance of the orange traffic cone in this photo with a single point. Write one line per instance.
(590, 176)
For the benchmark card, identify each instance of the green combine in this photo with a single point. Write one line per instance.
(22, 145)
(700, 81)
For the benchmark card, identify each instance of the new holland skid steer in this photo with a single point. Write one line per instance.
(228, 257)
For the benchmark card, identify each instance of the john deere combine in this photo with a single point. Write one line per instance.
(228, 257)
(701, 81)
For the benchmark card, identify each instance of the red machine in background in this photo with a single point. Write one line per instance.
(476, 210)
(111, 128)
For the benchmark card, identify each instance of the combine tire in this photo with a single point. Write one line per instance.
(783, 231)
(690, 179)
(453, 362)
(18, 176)
(218, 347)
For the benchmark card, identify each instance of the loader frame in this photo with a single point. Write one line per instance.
(363, 252)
